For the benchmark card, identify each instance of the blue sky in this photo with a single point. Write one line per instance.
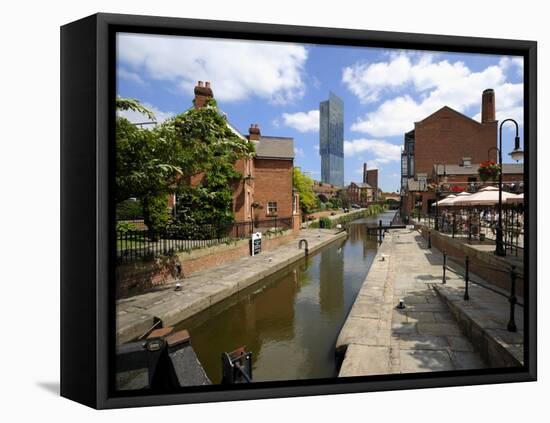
(279, 87)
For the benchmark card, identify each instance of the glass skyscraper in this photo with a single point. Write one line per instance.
(331, 140)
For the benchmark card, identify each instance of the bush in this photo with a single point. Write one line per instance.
(129, 210)
(325, 222)
(124, 227)
(156, 213)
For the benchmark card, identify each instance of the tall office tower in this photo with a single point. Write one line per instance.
(331, 140)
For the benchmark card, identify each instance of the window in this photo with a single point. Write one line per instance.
(272, 207)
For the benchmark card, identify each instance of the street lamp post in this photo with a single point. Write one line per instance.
(437, 192)
(516, 154)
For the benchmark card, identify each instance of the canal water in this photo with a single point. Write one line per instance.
(290, 320)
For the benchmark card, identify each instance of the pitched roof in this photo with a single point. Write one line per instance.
(453, 169)
(275, 148)
(361, 184)
(452, 110)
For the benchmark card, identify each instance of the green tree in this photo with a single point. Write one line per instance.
(335, 202)
(309, 202)
(146, 165)
(151, 163)
(344, 198)
(208, 149)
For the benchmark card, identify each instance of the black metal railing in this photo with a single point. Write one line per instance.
(139, 244)
(467, 276)
(474, 225)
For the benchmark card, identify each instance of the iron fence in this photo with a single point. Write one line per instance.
(480, 224)
(142, 243)
(468, 279)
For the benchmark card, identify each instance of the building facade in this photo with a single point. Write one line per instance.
(370, 177)
(445, 138)
(360, 193)
(331, 140)
(325, 191)
(265, 190)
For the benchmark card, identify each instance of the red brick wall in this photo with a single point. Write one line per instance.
(447, 137)
(372, 180)
(273, 182)
(242, 190)
(138, 277)
(480, 262)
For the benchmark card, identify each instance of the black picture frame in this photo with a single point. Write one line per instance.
(87, 123)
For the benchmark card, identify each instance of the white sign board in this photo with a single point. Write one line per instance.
(256, 245)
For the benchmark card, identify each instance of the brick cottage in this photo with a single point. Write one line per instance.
(265, 191)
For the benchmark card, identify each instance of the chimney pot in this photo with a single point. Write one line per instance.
(254, 132)
(202, 94)
(207, 84)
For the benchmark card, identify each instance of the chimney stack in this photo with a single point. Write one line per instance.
(364, 173)
(372, 180)
(202, 94)
(488, 113)
(254, 132)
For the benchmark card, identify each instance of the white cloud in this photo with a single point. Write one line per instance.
(130, 76)
(437, 84)
(366, 80)
(380, 151)
(299, 152)
(136, 117)
(237, 69)
(517, 62)
(302, 121)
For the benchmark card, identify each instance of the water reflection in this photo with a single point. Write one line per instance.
(290, 321)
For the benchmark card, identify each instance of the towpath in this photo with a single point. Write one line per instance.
(379, 338)
(137, 314)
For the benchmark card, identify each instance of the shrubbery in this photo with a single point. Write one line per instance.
(129, 210)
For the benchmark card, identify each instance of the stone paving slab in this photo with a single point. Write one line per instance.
(135, 315)
(422, 337)
(484, 318)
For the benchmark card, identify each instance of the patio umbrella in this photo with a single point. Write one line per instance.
(487, 196)
(457, 198)
(446, 201)
(517, 199)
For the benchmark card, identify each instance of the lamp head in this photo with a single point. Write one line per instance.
(517, 153)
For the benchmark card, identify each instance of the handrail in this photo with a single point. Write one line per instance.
(512, 298)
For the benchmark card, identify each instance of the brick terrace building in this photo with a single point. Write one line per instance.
(265, 190)
(360, 193)
(449, 138)
(322, 189)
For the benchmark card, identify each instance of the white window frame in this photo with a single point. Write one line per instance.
(271, 207)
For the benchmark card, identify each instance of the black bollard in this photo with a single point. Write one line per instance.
(430, 239)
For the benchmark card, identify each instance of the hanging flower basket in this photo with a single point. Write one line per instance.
(488, 170)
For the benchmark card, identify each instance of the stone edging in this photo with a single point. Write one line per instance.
(497, 346)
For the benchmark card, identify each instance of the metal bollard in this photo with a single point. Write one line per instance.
(513, 300)
(444, 267)
(430, 239)
(380, 232)
(467, 279)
